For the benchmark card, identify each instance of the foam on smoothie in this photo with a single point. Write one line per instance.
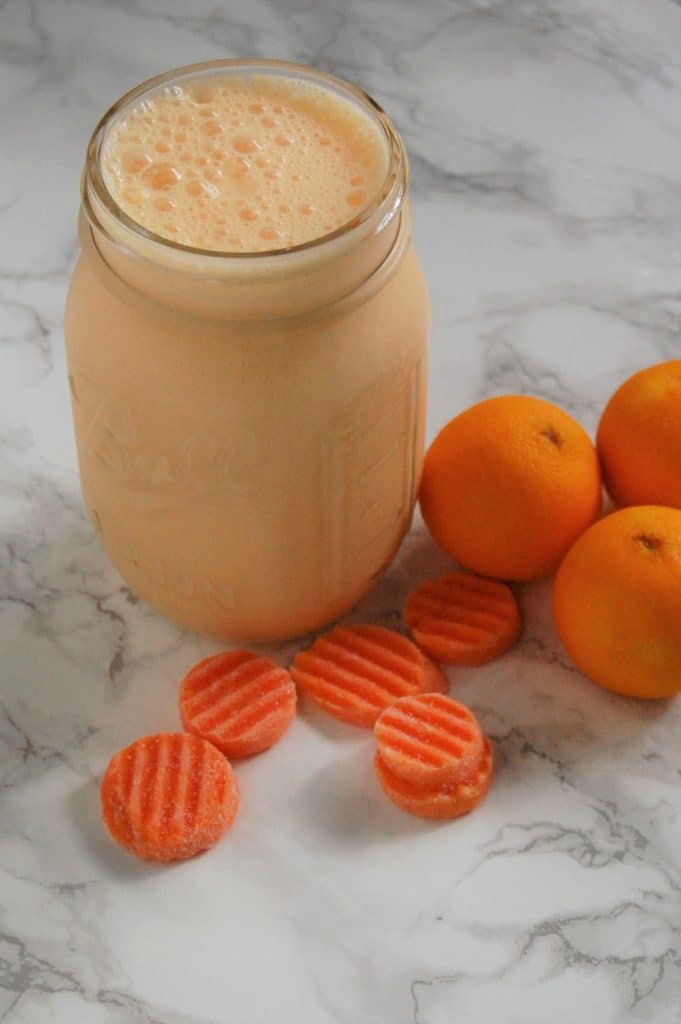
(244, 164)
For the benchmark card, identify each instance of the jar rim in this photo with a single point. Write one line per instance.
(385, 204)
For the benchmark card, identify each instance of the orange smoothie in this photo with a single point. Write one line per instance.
(246, 333)
(243, 164)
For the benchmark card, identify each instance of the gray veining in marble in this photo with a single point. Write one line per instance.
(546, 162)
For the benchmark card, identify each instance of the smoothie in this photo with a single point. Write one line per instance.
(247, 332)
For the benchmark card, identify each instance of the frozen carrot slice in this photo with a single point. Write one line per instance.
(354, 672)
(169, 796)
(429, 739)
(446, 800)
(463, 619)
(238, 701)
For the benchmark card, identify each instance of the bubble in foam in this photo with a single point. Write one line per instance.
(132, 196)
(161, 176)
(245, 144)
(236, 167)
(134, 161)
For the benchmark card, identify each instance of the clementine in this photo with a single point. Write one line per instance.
(639, 438)
(617, 602)
(508, 485)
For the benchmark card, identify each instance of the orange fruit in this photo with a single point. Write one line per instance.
(617, 602)
(509, 485)
(639, 438)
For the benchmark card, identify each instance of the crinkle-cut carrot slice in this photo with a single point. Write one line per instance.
(429, 739)
(240, 702)
(446, 800)
(168, 796)
(354, 672)
(463, 619)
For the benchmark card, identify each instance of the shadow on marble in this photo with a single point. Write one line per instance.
(344, 809)
(329, 727)
(418, 559)
(421, 559)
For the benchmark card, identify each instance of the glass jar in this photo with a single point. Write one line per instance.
(250, 426)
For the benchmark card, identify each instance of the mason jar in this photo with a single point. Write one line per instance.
(250, 426)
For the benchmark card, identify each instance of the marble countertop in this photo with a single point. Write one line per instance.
(546, 155)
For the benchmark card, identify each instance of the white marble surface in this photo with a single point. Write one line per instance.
(544, 138)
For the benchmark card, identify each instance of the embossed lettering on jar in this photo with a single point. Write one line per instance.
(248, 396)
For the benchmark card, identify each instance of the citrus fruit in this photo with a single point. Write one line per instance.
(617, 601)
(639, 438)
(509, 485)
